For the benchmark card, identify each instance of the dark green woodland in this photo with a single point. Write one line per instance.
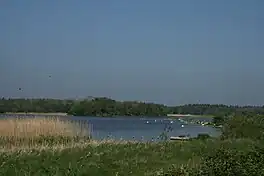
(109, 107)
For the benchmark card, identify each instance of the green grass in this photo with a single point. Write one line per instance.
(111, 158)
(101, 159)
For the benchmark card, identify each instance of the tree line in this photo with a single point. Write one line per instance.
(103, 106)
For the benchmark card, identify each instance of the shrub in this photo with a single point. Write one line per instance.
(226, 158)
(226, 161)
(244, 127)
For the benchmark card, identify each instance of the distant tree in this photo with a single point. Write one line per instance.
(103, 106)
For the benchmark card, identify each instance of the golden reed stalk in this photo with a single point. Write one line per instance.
(38, 126)
(19, 131)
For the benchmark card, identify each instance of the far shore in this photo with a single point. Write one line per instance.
(38, 113)
(65, 114)
(189, 115)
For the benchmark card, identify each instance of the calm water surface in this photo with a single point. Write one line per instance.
(130, 128)
(136, 128)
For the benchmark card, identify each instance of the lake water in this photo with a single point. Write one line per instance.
(147, 129)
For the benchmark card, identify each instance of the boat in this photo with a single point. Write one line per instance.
(182, 137)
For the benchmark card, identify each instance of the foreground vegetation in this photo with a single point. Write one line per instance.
(124, 159)
(109, 107)
(54, 147)
(96, 159)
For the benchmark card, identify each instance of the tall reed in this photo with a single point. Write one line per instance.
(42, 130)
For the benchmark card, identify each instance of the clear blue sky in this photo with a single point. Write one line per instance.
(171, 52)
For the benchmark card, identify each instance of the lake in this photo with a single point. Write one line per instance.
(136, 128)
(147, 129)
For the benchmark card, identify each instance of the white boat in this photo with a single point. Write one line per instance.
(179, 138)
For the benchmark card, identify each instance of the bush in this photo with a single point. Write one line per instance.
(225, 161)
(244, 127)
(232, 157)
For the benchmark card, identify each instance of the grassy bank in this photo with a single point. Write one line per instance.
(107, 158)
(97, 159)
(113, 158)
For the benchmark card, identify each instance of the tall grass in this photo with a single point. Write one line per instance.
(34, 131)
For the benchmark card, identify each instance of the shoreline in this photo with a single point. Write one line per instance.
(189, 115)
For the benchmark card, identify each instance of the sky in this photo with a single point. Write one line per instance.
(170, 52)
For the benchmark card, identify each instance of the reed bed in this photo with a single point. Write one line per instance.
(42, 131)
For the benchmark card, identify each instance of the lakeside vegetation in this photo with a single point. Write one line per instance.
(108, 107)
(53, 146)
(58, 149)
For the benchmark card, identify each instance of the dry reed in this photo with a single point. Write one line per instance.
(41, 130)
